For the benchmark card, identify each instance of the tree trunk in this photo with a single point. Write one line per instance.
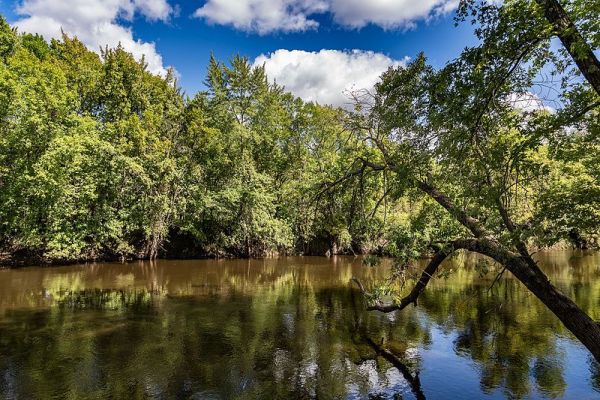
(573, 317)
(574, 43)
(524, 268)
(577, 240)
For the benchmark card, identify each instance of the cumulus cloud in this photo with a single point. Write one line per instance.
(325, 76)
(264, 16)
(95, 23)
(154, 9)
(389, 14)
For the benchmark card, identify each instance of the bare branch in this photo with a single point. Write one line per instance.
(354, 171)
(497, 278)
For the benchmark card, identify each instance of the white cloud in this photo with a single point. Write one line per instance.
(264, 16)
(95, 23)
(528, 102)
(389, 14)
(325, 76)
(154, 9)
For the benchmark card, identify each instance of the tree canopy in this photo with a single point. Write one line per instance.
(101, 159)
(509, 177)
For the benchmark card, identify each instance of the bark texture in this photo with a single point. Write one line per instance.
(573, 41)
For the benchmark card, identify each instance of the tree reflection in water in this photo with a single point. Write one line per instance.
(289, 328)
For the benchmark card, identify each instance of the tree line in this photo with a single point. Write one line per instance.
(100, 159)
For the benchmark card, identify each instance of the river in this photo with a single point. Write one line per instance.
(288, 328)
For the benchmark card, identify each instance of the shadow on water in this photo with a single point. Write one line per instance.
(287, 328)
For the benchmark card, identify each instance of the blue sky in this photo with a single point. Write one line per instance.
(361, 38)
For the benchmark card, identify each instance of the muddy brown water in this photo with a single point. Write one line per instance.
(288, 328)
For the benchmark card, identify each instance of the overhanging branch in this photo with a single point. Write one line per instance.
(466, 220)
(426, 276)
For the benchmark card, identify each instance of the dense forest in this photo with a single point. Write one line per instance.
(100, 159)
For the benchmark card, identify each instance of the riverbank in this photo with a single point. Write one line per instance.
(20, 260)
(25, 259)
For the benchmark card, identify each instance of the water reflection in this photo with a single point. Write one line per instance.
(286, 328)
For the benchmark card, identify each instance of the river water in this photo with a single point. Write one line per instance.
(288, 328)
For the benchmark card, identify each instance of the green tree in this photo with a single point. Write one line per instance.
(87, 152)
(457, 137)
(8, 39)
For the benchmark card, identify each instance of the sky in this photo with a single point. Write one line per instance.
(317, 49)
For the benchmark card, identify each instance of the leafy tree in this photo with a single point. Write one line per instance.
(236, 131)
(87, 152)
(8, 39)
(457, 136)
(36, 45)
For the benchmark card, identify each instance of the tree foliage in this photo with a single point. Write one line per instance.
(508, 176)
(101, 159)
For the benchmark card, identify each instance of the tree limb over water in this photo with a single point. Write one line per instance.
(470, 153)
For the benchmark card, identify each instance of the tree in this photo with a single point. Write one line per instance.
(236, 132)
(86, 148)
(459, 137)
(8, 39)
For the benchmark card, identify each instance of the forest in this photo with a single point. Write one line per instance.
(103, 160)
(100, 159)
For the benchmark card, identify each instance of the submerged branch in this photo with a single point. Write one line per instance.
(497, 279)
(426, 276)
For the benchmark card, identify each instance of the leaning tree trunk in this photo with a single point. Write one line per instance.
(525, 270)
(522, 266)
(573, 41)
(573, 317)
